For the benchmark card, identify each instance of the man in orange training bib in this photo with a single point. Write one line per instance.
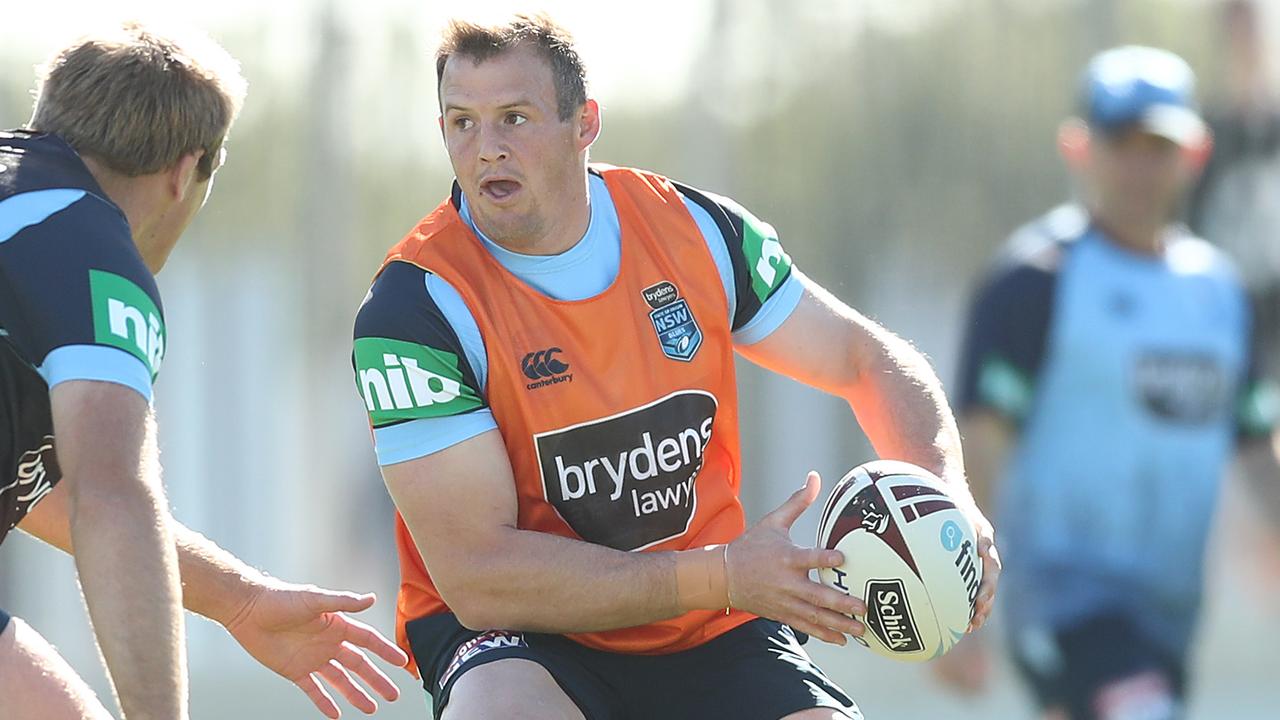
(547, 363)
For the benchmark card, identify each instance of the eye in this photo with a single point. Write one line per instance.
(463, 123)
(516, 119)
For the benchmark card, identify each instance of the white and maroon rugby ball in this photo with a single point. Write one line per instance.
(909, 552)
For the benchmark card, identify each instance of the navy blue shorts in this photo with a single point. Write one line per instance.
(4, 620)
(757, 671)
(1101, 663)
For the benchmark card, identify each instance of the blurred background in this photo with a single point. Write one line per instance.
(893, 143)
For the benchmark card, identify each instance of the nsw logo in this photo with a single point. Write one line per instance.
(678, 333)
(544, 367)
(889, 616)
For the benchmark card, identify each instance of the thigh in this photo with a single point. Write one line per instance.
(513, 689)
(36, 681)
(758, 671)
(505, 674)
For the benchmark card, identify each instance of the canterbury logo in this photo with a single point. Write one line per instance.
(543, 364)
(544, 368)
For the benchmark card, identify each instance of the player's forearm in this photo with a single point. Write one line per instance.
(545, 583)
(129, 573)
(900, 404)
(215, 583)
(119, 526)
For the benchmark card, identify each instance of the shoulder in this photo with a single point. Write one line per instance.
(34, 161)
(1044, 242)
(399, 287)
(1192, 255)
(1034, 254)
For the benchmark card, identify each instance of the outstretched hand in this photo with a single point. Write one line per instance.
(302, 633)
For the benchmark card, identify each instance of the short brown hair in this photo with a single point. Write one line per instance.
(481, 42)
(138, 101)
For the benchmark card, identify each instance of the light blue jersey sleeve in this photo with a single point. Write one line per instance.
(412, 319)
(769, 291)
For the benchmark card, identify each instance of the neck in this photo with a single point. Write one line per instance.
(1142, 236)
(138, 200)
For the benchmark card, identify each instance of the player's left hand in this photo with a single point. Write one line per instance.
(302, 633)
(990, 567)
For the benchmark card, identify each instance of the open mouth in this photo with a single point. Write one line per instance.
(499, 189)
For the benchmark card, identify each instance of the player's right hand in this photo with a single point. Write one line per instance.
(769, 575)
(303, 633)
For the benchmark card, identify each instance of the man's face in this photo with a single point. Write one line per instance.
(1138, 175)
(513, 156)
(180, 215)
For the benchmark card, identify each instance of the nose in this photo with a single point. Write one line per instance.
(492, 147)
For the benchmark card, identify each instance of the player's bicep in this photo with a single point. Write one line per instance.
(101, 429)
(821, 343)
(457, 504)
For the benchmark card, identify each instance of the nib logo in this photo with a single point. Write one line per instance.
(545, 368)
(405, 381)
(126, 317)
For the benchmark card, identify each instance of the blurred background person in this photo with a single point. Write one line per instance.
(1107, 378)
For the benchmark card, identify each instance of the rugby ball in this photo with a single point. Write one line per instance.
(909, 552)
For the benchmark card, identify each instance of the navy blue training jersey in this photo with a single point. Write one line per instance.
(76, 303)
(1129, 379)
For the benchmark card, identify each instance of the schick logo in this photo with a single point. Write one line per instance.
(403, 381)
(889, 616)
(125, 317)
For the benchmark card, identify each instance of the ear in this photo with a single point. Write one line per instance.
(588, 124)
(1197, 156)
(1073, 143)
(180, 179)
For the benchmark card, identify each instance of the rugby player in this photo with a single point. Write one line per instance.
(547, 361)
(1107, 383)
(120, 154)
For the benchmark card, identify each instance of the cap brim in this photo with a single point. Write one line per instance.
(1177, 123)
